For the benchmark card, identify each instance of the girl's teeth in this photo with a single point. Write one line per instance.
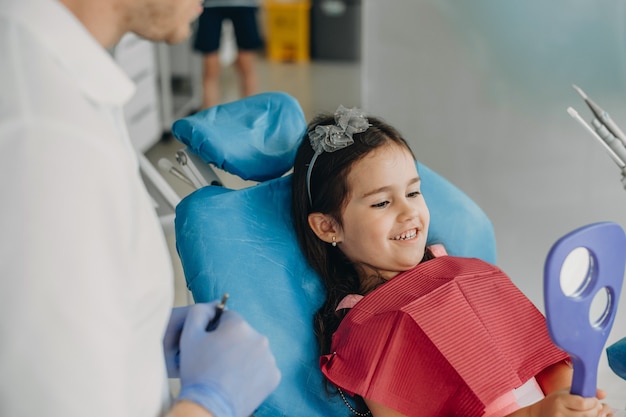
(405, 236)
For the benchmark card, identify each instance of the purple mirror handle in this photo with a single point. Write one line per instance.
(567, 317)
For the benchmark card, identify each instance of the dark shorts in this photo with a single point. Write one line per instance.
(244, 21)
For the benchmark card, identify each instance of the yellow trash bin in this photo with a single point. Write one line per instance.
(287, 27)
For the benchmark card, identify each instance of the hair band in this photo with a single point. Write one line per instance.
(330, 138)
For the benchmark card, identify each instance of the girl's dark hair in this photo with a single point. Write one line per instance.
(329, 194)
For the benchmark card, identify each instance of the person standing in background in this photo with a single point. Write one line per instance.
(243, 15)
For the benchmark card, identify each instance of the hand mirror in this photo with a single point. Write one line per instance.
(583, 277)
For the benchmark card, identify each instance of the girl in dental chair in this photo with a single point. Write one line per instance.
(406, 330)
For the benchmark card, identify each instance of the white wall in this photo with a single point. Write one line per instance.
(480, 88)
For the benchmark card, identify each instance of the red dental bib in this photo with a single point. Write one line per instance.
(445, 338)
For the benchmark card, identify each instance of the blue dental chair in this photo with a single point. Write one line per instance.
(241, 242)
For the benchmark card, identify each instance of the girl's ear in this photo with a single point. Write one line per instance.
(324, 226)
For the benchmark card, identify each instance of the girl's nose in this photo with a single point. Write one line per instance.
(409, 210)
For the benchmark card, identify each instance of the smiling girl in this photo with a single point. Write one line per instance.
(405, 332)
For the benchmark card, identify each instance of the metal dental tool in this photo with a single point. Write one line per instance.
(602, 116)
(219, 310)
(167, 166)
(605, 131)
(618, 155)
(196, 170)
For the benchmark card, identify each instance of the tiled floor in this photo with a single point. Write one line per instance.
(318, 86)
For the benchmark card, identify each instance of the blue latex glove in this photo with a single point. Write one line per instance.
(616, 354)
(229, 371)
(171, 346)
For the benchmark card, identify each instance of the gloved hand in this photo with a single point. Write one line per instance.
(229, 371)
(171, 346)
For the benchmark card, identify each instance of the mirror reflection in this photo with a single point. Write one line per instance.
(600, 308)
(576, 272)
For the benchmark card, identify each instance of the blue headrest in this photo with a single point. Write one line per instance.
(242, 242)
(255, 138)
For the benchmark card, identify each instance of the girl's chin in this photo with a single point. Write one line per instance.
(408, 265)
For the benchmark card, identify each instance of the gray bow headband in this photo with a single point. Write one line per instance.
(330, 138)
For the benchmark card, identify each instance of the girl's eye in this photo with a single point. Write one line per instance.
(381, 204)
(414, 194)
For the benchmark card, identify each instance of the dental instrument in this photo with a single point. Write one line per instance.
(167, 166)
(219, 309)
(604, 130)
(199, 173)
(618, 155)
(602, 116)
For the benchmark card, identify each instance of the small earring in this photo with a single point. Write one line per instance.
(334, 242)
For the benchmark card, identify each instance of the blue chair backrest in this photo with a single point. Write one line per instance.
(242, 242)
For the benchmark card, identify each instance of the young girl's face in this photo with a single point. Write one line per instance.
(385, 220)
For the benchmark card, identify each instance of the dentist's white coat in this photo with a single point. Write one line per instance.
(85, 275)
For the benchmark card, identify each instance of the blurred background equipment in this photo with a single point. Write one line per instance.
(336, 30)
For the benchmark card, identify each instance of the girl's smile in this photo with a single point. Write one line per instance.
(411, 234)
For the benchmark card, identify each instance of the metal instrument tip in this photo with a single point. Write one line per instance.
(579, 91)
(222, 303)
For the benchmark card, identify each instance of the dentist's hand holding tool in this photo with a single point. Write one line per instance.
(230, 370)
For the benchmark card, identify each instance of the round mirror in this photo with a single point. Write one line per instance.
(576, 272)
(600, 308)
